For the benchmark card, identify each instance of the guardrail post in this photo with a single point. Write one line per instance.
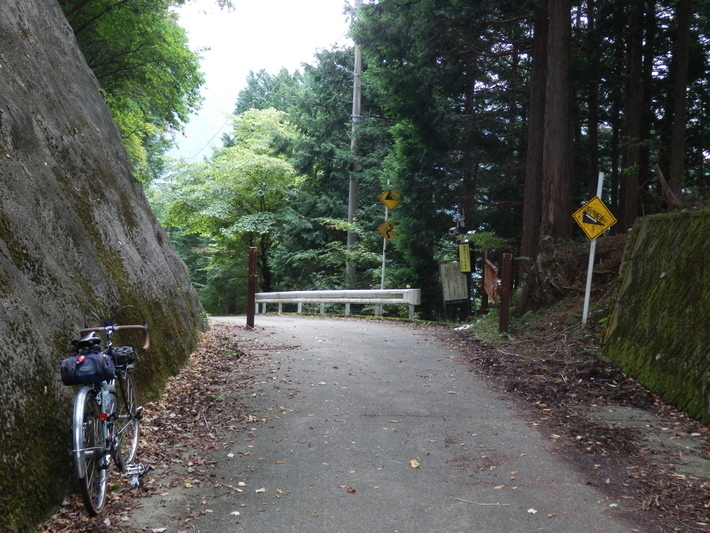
(251, 288)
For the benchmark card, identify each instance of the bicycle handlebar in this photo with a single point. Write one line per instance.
(135, 327)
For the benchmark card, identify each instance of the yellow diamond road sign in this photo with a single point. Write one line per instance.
(386, 229)
(391, 198)
(594, 218)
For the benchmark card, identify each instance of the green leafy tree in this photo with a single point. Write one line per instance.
(149, 76)
(237, 198)
(311, 251)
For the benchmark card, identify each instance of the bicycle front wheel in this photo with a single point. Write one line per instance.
(127, 422)
(90, 453)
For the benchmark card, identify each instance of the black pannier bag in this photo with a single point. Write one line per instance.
(123, 355)
(86, 369)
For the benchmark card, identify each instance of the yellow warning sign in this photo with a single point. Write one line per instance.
(391, 198)
(594, 218)
(386, 229)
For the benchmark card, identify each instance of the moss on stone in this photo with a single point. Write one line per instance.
(658, 328)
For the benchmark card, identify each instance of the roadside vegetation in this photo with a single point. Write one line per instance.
(460, 121)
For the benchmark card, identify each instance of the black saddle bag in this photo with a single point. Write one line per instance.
(85, 369)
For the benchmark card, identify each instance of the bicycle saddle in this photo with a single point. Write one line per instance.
(87, 341)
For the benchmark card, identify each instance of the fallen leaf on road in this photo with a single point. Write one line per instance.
(351, 490)
(499, 487)
(260, 490)
(532, 511)
(235, 513)
(414, 463)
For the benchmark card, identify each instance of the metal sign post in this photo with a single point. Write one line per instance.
(391, 199)
(594, 218)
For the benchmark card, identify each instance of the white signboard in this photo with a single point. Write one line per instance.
(453, 282)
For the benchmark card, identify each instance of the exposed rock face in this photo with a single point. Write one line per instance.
(658, 328)
(76, 235)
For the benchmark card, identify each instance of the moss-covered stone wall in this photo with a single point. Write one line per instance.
(76, 236)
(659, 327)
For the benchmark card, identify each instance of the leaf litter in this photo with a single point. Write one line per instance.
(549, 369)
(564, 385)
(178, 433)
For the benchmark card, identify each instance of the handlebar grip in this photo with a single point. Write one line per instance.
(141, 327)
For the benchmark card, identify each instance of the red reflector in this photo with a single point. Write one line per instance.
(103, 417)
(80, 359)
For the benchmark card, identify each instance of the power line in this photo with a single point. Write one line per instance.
(211, 139)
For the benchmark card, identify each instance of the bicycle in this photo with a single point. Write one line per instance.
(106, 416)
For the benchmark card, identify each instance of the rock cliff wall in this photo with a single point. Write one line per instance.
(76, 235)
(659, 328)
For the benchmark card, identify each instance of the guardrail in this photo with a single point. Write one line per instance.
(377, 297)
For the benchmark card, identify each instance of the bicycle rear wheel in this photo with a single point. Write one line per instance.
(127, 423)
(90, 454)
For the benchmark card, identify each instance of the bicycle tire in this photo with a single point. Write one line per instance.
(127, 423)
(90, 454)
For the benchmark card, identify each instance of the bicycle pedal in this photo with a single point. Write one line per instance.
(138, 412)
(134, 470)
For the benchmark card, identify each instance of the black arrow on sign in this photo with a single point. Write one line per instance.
(589, 219)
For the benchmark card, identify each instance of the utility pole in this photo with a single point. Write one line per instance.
(354, 164)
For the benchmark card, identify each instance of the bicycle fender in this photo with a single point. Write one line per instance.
(79, 455)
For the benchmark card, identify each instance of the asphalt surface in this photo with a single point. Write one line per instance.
(376, 427)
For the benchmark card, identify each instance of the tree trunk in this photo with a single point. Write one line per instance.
(679, 98)
(650, 24)
(593, 102)
(532, 201)
(632, 125)
(556, 218)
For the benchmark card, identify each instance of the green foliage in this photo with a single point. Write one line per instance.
(445, 107)
(237, 198)
(148, 74)
(486, 240)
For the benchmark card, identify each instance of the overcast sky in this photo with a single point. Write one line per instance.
(258, 34)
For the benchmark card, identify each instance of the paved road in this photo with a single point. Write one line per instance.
(349, 405)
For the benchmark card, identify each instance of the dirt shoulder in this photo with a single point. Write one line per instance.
(658, 456)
